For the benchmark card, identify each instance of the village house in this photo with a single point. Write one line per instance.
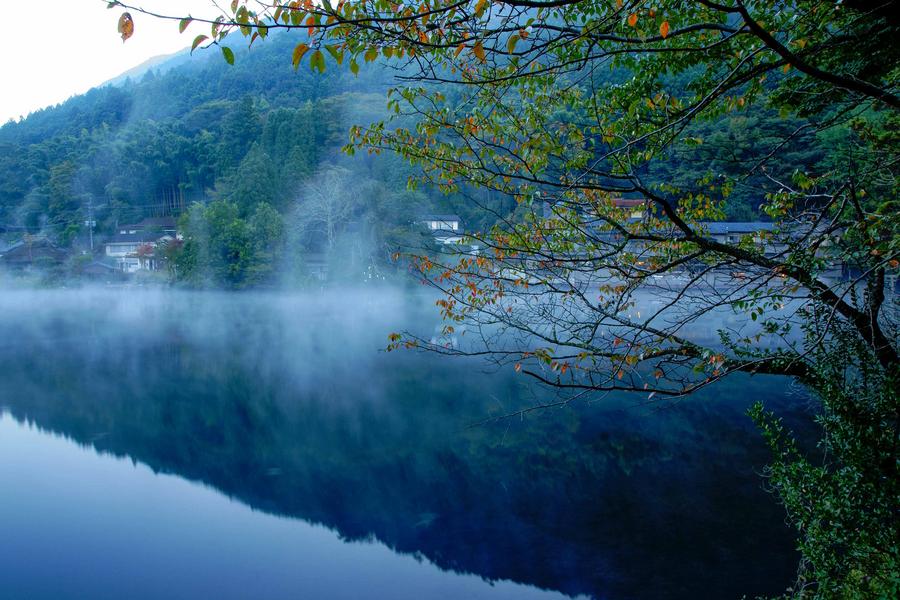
(635, 209)
(444, 228)
(441, 222)
(166, 225)
(727, 232)
(32, 253)
(133, 247)
(447, 231)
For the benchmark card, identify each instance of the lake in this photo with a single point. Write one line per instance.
(162, 444)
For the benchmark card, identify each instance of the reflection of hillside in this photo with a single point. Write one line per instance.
(584, 500)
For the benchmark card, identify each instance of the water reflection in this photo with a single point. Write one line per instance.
(283, 404)
(86, 526)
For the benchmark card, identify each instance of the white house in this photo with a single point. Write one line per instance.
(134, 252)
(441, 222)
(447, 231)
(134, 246)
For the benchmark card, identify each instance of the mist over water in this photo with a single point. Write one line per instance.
(208, 444)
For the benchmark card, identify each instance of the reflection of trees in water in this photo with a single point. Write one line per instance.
(588, 499)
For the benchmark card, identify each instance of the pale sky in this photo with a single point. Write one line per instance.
(54, 49)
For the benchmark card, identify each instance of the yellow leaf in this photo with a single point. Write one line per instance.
(632, 19)
(786, 68)
(478, 50)
(480, 7)
(126, 26)
(664, 29)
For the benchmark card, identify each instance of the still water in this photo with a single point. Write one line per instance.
(201, 445)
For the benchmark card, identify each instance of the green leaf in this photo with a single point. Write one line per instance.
(299, 51)
(228, 54)
(354, 66)
(511, 43)
(317, 61)
(197, 41)
(184, 24)
(336, 53)
(371, 54)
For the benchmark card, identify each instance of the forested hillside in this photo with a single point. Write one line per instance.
(257, 147)
(244, 141)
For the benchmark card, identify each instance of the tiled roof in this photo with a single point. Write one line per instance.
(141, 237)
(742, 227)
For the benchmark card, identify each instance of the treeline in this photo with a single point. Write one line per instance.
(239, 153)
(233, 147)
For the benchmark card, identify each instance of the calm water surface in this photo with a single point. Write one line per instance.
(196, 445)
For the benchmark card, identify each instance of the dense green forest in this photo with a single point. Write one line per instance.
(240, 144)
(248, 156)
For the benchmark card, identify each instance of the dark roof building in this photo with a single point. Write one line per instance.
(163, 224)
(737, 228)
(101, 271)
(138, 237)
(40, 253)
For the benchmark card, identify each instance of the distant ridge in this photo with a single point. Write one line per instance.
(161, 64)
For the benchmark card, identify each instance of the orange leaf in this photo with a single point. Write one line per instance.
(478, 50)
(664, 29)
(632, 19)
(518, 367)
(126, 26)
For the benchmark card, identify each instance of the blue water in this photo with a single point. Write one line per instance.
(197, 445)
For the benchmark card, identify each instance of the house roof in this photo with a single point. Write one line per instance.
(742, 227)
(140, 237)
(98, 268)
(628, 202)
(447, 233)
(444, 218)
(27, 253)
(153, 222)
